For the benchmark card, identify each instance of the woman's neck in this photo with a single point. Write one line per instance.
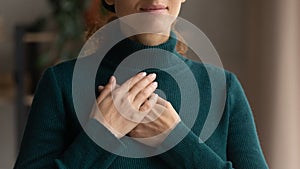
(155, 37)
(151, 39)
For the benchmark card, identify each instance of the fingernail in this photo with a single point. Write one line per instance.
(152, 75)
(154, 84)
(112, 78)
(143, 74)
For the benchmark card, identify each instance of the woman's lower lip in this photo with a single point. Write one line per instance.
(154, 10)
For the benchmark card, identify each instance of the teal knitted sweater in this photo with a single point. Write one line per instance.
(54, 137)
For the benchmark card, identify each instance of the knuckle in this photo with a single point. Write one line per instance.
(126, 97)
(149, 79)
(168, 104)
(116, 92)
(129, 97)
(149, 88)
(107, 86)
(146, 106)
(144, 93)
(139, 85)
(142, 109)
(133, 133)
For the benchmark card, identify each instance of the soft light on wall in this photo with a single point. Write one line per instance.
(286, 135)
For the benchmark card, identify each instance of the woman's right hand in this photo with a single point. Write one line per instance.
(121, 108)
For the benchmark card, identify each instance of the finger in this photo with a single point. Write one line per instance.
(143, 95)
(107, 89)
(113, 84)
(154, 113)
(100, 88)
(132, 81)
(142, 84)
(161, 101)
(149, 104)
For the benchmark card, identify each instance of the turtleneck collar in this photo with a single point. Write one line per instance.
(128, 46)
(132, 45)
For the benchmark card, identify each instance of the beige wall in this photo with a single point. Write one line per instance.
(223, 23)
(286, 135)
(12, 13)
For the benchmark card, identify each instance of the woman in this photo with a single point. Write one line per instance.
(54, 138)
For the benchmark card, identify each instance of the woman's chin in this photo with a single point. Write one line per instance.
(149, 22)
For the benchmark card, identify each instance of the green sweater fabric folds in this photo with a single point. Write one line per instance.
(54, 138)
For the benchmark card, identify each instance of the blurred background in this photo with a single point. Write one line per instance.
(259, 40)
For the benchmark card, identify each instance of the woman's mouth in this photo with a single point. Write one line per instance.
(154, 8)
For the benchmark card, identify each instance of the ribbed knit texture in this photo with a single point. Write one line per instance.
(54, 138)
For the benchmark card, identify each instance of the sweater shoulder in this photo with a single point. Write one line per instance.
(63, 72)
(64, 67)
(211, 71)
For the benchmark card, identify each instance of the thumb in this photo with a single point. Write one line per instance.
(106, 90)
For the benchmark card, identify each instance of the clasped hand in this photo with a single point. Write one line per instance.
(134, 109)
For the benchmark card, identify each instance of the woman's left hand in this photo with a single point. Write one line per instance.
(153, 132)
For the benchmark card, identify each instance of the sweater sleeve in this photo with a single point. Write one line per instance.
(44, 145)
(191, 152)
(243, 148)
